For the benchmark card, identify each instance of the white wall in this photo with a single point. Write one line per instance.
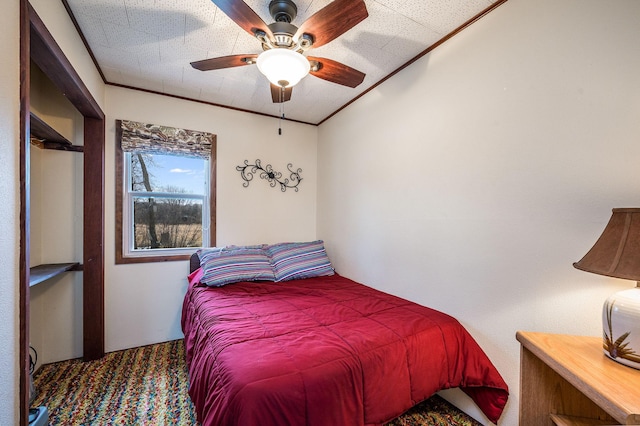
(469, 182)
(9, 211)
(144, 301)
(473, 179)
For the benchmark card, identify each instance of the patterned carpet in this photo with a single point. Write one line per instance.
(148, 386)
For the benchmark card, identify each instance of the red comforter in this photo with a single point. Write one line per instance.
(324, 351)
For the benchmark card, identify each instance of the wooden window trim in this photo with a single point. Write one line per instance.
(119, 160)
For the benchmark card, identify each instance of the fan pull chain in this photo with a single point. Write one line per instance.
(281, 110)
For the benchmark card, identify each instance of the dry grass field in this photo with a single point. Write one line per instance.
(170, 235)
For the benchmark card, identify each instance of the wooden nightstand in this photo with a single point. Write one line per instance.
(567, 380)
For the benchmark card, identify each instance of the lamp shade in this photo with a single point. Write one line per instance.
(617, 254)
(283, 67)
(617, 251)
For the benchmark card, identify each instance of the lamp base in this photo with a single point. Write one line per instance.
(621, 327)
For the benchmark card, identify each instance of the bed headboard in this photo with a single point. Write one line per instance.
(194, 262)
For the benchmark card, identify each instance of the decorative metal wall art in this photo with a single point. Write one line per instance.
(274, 178)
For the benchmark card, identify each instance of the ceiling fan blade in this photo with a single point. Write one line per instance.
(333, 20)
(224, 62)
(278, 95)
(240, 13)
(337, 72)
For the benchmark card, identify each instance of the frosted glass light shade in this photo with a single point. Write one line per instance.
(283, 67)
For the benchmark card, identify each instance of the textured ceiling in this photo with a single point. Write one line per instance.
(149, 44)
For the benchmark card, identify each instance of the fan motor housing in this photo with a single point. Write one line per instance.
(283, 10)
(283, 33)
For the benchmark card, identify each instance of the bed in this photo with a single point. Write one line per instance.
(322, 350)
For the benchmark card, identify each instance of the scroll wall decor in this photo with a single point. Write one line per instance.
(267, 173)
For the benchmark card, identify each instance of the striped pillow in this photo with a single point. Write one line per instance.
(205, 254)
(228, 266)
(293, 261)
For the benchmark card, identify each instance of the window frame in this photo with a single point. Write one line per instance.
(146, 257)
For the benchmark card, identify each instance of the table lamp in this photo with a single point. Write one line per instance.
(617, 254)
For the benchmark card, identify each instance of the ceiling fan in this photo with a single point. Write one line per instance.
(282, 60)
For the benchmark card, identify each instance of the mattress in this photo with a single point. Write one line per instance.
(324, 351)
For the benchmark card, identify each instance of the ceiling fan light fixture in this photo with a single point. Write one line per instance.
(283, 67)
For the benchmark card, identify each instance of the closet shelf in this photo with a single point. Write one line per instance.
(42, 273)
(44, 136)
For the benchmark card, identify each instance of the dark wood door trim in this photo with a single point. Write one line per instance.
(37, 43)
(23, 305)
(93, 236)
(48, 55)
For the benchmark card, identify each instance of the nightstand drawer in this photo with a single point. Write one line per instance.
(570, 378)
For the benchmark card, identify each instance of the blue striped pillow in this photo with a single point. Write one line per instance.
(231, 265)
(205, 254)
(293, 261)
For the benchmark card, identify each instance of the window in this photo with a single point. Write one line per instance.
(165, 201)
(165, 206)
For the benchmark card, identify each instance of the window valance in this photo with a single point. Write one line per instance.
(154, 138)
